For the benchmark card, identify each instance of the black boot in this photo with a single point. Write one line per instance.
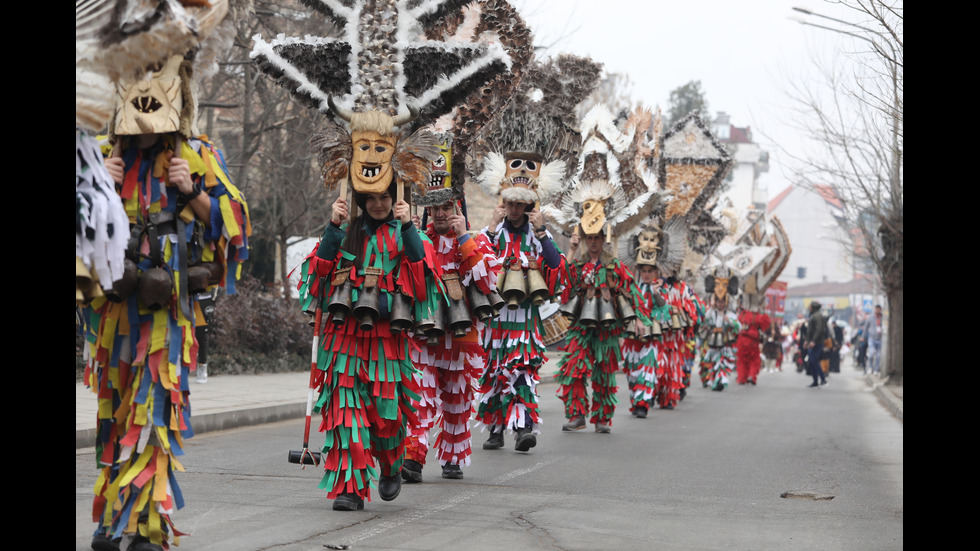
(102, 542)
(525, 440)
(496, 440)
(452, 471)
(412, 471)
(389, 487)
(348, 502)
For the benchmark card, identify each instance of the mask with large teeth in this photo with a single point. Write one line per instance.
(151, 104)
(522, 171)
(371, 170)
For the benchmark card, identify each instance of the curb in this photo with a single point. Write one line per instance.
(224, 420)
(892, 402)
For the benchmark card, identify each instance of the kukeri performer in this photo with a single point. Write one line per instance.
(609, 192)
(531, 150)
(379, 282)
(374, 271)
(609, 299)
(447, 348)
(533, 271)
(641, 345)
(188, 232)
(719, 331)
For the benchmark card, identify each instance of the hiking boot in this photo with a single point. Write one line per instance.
(389, 487)
(102, 542)
(495, 442)
(575, 423)
(348, 502)
(603, 428)
(640, 412)
(452, 471)
(141, 543)
(525, 440)
(412, 471)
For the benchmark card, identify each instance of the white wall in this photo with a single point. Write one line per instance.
(815, 238)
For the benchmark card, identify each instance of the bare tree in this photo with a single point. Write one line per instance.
(853, 117)
(265, 134)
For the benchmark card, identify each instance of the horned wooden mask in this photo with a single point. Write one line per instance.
(371, 161)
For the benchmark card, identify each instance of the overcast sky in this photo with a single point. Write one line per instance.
(743, 52)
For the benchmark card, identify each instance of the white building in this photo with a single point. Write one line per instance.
(743, 189)
(822, 250)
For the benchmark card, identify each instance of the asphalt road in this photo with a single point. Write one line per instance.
(708, 475)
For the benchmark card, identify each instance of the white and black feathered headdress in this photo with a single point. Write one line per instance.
(384, 62)
(612, 189)
(537, 124)
(381, 62)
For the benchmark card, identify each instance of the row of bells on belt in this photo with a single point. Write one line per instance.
(598, 311)
(515, 288)
(452, 317)
(679, 319)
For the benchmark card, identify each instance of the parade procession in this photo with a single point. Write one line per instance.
(493, 230)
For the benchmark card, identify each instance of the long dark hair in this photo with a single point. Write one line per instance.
(354, 239)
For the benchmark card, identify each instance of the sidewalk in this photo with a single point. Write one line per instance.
(224, 402)
(230, 401)
(890, 396)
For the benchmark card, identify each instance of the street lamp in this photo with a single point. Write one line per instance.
(893, 58)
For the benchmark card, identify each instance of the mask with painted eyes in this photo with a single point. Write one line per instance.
(522, 172)
(371, 170)
(151, 104)
(442, 166)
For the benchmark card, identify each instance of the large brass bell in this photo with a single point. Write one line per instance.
(459, 318)
(437, 328)
(402, 317)
(479, 303)
(607, 313)
(675, 319)
(366, 310)
(339, 306)
(589, 316)
(656, 330)
(514, 290)
(626, 312)
(457, 314)
(571, 308)
(496, 301)
(642, 330)
(716, 339)
(536, 285)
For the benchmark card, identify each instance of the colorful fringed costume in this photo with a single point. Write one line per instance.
(719, 331)
(640, 354)
(684, 306)
(593, 351)
(512, 342)
(138, 358)
(366, 378)
(449, 366)
(749, 361)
